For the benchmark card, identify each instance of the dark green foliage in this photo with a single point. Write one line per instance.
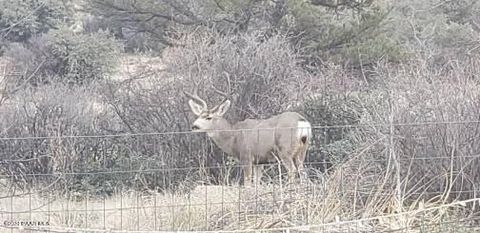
(353, 36)
(437, 34)
(62, 54)
(20, 20)
(82, 57)
(335, 116)
(461, 11)
(323, 29)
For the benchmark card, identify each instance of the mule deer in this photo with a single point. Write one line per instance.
(255, 141)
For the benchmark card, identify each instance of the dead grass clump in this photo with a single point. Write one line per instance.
(333, 206)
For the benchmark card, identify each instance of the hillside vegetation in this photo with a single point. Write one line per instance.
(91, 103)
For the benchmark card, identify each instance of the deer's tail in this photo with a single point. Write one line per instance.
(304, 132)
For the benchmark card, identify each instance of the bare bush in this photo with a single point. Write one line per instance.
(261, 76)
(419, 135)
(151, 104)
(452, 142)
(264, 77)
(58, 136)
(46, 113)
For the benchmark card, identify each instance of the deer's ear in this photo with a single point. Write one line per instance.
(223, 108)
(196, 108)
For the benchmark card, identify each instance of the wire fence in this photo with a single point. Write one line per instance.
(315, 127)
(399, 177)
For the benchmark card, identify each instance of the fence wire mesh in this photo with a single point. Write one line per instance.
(420, 177)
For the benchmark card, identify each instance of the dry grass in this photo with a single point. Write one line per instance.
(335, 205)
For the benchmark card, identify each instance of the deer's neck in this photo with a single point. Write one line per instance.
(224, 137)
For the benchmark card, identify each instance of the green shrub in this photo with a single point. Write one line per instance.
(336, 116)
(20, 20)
(82, 57)
(438, 35)
(64, 55)
(351, 37)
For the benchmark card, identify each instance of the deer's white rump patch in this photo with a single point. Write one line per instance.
(304, 129)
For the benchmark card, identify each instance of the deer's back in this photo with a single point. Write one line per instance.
(261, 137)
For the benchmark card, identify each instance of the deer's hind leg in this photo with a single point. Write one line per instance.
(287, 160)
(286, 152)
(299, 159)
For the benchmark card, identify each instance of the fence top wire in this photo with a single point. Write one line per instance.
(175, 169)
(307, 228)
(239, 130)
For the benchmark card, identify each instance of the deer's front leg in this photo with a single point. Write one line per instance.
(257, 173)
(247, 172)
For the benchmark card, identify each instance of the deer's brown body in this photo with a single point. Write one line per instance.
(253, 142)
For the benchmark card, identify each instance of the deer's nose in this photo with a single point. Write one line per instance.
(194, 127)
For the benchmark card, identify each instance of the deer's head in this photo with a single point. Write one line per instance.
(208, 119)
